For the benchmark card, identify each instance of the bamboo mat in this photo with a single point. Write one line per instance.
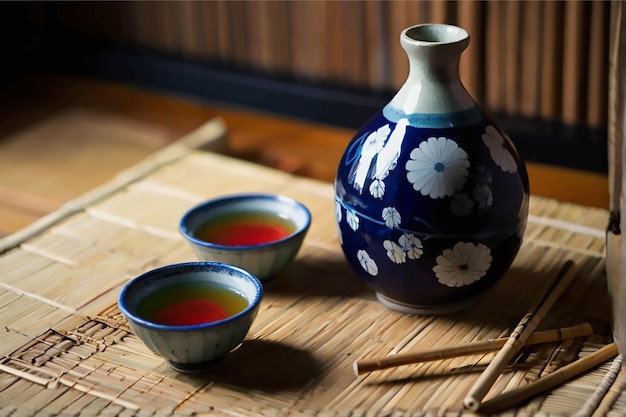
(66, 350)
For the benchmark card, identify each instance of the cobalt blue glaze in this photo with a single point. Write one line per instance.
(431, 207)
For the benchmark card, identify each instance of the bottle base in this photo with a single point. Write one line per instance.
(434, 310)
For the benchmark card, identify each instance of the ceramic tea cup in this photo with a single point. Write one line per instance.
(192, 314)
(261, 233)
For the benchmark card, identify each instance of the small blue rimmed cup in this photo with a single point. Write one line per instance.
(260, 233)
(193, 345)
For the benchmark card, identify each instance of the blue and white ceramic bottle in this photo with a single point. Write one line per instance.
(431, 196)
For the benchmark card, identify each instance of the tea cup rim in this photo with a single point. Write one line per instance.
(122, 303)
(300, 228)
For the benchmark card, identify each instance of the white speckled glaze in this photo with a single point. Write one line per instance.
(263, 261)
(197, 347)
(433, 85)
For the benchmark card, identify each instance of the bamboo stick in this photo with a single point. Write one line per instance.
(593, 402)
(490, 345)
(520, 335)
(510, 398)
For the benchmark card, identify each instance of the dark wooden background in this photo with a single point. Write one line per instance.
(541, 67)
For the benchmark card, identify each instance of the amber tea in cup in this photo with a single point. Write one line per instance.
(193, 314)
(260, 233)
(191, 304)
(245, 228)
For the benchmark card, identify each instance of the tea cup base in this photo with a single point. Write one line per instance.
(195, 368)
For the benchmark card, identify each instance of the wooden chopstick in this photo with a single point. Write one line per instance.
(518, 337)
(490, 345)
(510, 398)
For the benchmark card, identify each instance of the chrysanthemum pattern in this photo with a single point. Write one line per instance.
(438, 169)
(499, 153)
(462, 265)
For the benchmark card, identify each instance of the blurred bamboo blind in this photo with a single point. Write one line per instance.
(545, 59)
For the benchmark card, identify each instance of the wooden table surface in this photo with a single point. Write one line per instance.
(61, 136)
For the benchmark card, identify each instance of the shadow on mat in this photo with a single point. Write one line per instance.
(310, 277)
(266, 366)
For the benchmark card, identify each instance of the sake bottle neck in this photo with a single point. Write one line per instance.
(433, 85)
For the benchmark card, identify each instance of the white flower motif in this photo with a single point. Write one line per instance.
(437, 168)
(367, 262)
(500, 155)
(411, 245)
(391, 216)
(461, 204)
(338, 214)
(372, 145)
(394, 252)
(482, 193)
(462, 265)
(352, 219)
(377, 189)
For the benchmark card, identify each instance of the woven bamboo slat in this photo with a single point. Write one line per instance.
(66, 349)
